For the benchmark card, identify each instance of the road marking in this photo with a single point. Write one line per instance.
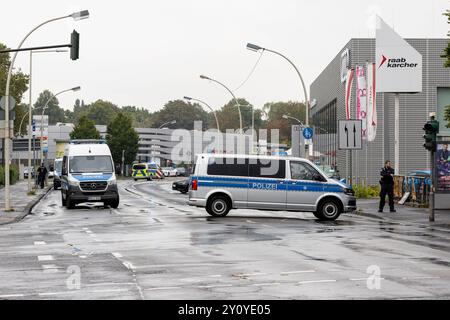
(363, 279)
(128, 265)
(316, 281)
(419, 278)
(249, 274)
(215, 286)
(56, 293)
(162, 288)
(88, 231)
(266, 284)
(296, 272)
(215, 276)
(11, 296)
(109, 290)
(45, 258)
(117, 255)
(39, 243)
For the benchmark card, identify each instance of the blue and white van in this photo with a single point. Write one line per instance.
(88, 174)
(224, 182)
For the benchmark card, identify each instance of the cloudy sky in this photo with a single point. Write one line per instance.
(145, 53)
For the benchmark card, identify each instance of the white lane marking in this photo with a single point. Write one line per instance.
(108, 284)
(162, 288)
(266, 284)
(419, 278)
(249, 274)
(40, 243)
(128, 265)
(215, 276)
(363, 279)
(5, 296)
(45, 258)
(315, 281)
(297, 272)
(85, 228)
(117, 255)
(109, 290)
(83, 257)
(215, 286)
(56, 293)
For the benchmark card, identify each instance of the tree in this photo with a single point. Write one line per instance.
(447, 115)
(85, 129)
(101, 112)
(55, 113)
(183, 112)
(122, 136)
(274, 112)
(446, 54)
(18, 86)
(142, 118)
(228, 116)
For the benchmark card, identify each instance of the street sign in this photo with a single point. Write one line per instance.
(308, 133)
(350, 134)
(12, 103)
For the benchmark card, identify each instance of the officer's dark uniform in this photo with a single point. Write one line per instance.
(387, 187)
(42, 172)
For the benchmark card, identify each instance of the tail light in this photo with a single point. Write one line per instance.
(194, 185)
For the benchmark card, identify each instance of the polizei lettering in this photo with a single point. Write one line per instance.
(400, 63)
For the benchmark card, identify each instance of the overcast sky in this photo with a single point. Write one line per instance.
(145, 53)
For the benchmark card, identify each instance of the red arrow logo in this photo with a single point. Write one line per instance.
(383, 61)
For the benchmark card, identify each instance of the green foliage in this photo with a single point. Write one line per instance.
(447, 116)
(228, 116)
(363, 191)
(446, 54)
(19, 84)
(184, 113)
(101, 112)
(141, 117)
(122, 136)
(13, 174)
(55, 113)
(85, 129)
(274, 112)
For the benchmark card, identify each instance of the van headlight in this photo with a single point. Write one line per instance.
(349, 192)
(112, 183)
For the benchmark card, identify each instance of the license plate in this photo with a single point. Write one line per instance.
(94, 198)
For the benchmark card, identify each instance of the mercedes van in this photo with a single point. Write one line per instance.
(223, 182)
(87, 174)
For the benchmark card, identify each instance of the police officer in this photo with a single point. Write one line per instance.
(42, 173)
(387, 186)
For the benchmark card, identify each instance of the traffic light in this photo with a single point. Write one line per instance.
(74, 45)
(431, 129)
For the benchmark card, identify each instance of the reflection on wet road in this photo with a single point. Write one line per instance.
(154, 246)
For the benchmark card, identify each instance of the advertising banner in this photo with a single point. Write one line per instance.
(443, 168)
(399, 64)
(361, 99)
(348, 92)
(372, 118)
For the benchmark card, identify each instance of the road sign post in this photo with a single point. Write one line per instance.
(350, 134)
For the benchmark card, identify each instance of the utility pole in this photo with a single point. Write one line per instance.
(123, 162)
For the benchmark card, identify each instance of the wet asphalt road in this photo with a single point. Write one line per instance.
(154, 246)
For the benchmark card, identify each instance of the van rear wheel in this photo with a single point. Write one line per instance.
(218, 206)
(329, 210)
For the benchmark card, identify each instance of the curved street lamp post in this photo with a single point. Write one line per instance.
(207, 105)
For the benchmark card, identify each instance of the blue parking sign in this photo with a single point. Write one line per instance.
(308, 133)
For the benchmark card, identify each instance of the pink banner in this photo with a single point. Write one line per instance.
(348, 92)
(361, 99)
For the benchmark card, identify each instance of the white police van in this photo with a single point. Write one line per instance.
(88, 174)
(224, 182)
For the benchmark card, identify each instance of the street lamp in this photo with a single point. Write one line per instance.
(231, 92)
(285, 116)
(30, 106)
(77, 16)
(254, 47)
(202, 102)
(42, 115)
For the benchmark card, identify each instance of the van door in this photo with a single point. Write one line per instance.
(304, 188)
(267, 184)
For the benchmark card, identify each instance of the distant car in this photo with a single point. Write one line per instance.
(25, 173)
(169, 172)
(182, 186)
(57, 177)
(51, 174)
(181, 171)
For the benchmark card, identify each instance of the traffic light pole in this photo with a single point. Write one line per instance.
(433, 181)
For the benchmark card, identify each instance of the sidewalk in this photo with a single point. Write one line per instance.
(20, 201)
(369, 208)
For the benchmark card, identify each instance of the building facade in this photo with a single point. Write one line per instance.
(329, 93)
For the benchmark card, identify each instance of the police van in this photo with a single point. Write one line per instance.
(224, 182)
(141, 171)
(88, 175)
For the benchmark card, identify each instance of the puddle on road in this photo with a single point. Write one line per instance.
(235, 234)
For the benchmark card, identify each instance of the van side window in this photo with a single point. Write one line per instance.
(260, 168)
(303, 171)
(228, 167)
(64, 165)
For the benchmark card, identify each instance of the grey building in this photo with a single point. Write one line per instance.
(364, 165)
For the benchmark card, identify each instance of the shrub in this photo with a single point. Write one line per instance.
(13, 175)
(363, 191)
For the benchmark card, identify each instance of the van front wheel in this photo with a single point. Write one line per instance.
(218, 206)
(329, 210)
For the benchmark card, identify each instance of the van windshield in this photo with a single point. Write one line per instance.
(90, 164)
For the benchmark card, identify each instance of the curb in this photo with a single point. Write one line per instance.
(29, 207)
